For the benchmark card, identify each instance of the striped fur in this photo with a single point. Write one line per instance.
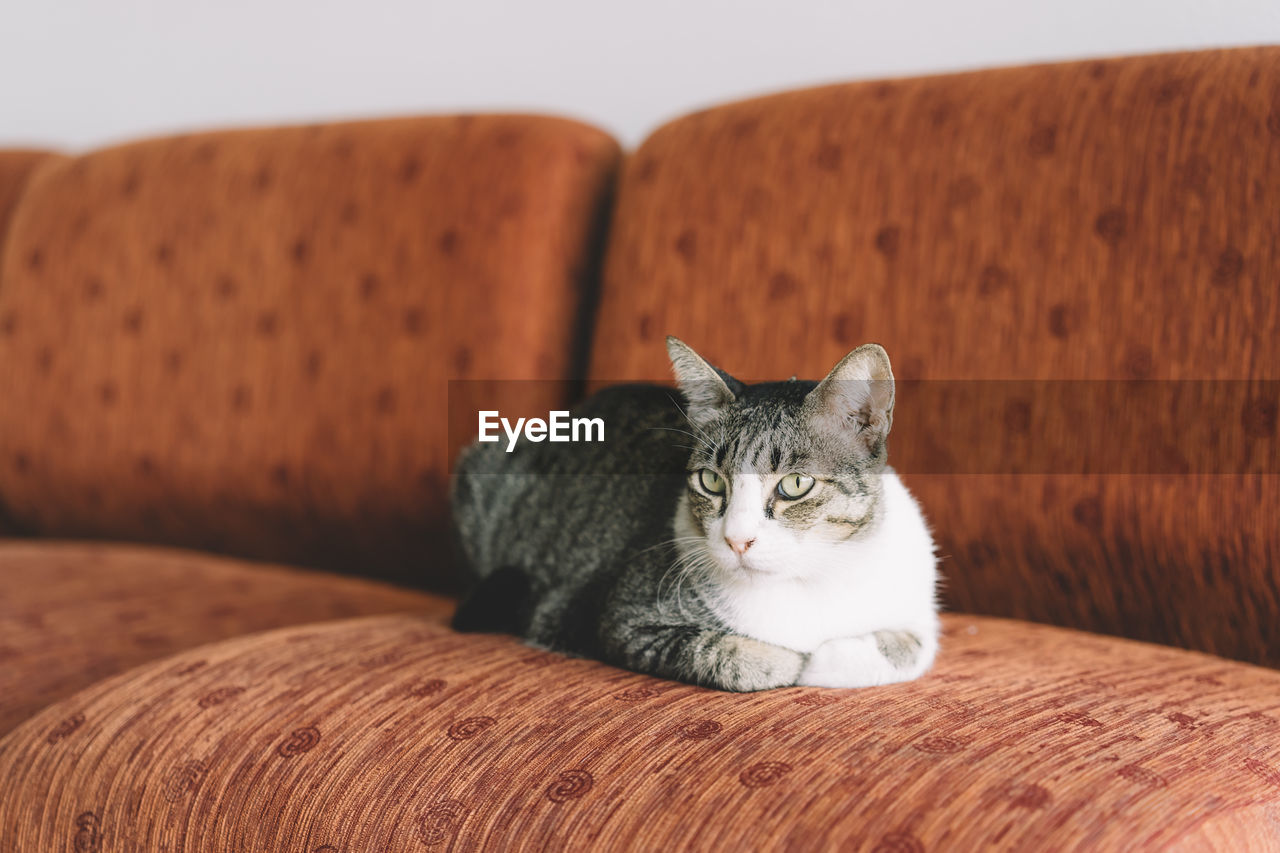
(619, 551)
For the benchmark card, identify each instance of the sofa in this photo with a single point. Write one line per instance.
(235, 366)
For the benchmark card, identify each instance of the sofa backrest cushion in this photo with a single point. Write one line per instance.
(241, 341)
(16, 166)
(1101, 220)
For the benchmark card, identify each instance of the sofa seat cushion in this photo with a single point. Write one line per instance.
(72, 614)
(395, 733)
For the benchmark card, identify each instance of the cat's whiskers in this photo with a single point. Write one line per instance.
(685, 565)
(681, 577)
(696, 565)
(674, 541)
(707, 446)
(679, 565)
(702, 436)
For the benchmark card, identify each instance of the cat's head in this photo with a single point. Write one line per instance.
(782, 472)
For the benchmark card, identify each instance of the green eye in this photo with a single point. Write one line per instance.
(794, 486)
(711, 481)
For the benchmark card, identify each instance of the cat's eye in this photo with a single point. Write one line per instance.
(794, 486)
(711, 481)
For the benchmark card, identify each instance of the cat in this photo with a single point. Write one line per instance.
(745, 537)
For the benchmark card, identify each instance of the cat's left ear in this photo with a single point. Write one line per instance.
(856, 398)
(706, 388)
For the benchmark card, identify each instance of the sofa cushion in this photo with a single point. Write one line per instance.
(16, 167)
(72, 614)
(395, 733)
(241, 341)
(1101, 220)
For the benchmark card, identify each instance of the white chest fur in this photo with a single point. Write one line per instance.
(884, 581)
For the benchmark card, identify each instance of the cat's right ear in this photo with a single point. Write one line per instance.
(703, 386)
(856, 398)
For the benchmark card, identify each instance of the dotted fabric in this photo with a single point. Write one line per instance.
(393, 733)
(73, 614)
(1090, 220)
(241, 341)
(15, 170)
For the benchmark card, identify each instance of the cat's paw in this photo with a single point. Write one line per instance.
(845, 662)
(748, 665)
(883, 657)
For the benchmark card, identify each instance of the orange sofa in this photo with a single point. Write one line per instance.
(227, 363)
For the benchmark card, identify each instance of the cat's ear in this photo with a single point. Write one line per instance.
(856, 398)
(704, 387)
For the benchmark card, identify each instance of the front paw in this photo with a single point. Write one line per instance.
(846, 662)
(750, 665)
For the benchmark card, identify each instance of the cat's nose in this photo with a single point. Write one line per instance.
(739, 546)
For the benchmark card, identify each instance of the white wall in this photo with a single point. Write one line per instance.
(79, 73)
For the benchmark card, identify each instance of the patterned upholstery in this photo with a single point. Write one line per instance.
(16, 168)
(241, 341)
(394, 733)
(73, 614)
(1084, 221)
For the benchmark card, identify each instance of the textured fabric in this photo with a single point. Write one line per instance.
(393, 733)
(1105, 220)
(73, 614)
(15, 171)
(240, 341)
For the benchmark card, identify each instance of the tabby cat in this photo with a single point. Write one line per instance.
(742, 537)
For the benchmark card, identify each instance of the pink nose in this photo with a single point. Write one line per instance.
(739, 546)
